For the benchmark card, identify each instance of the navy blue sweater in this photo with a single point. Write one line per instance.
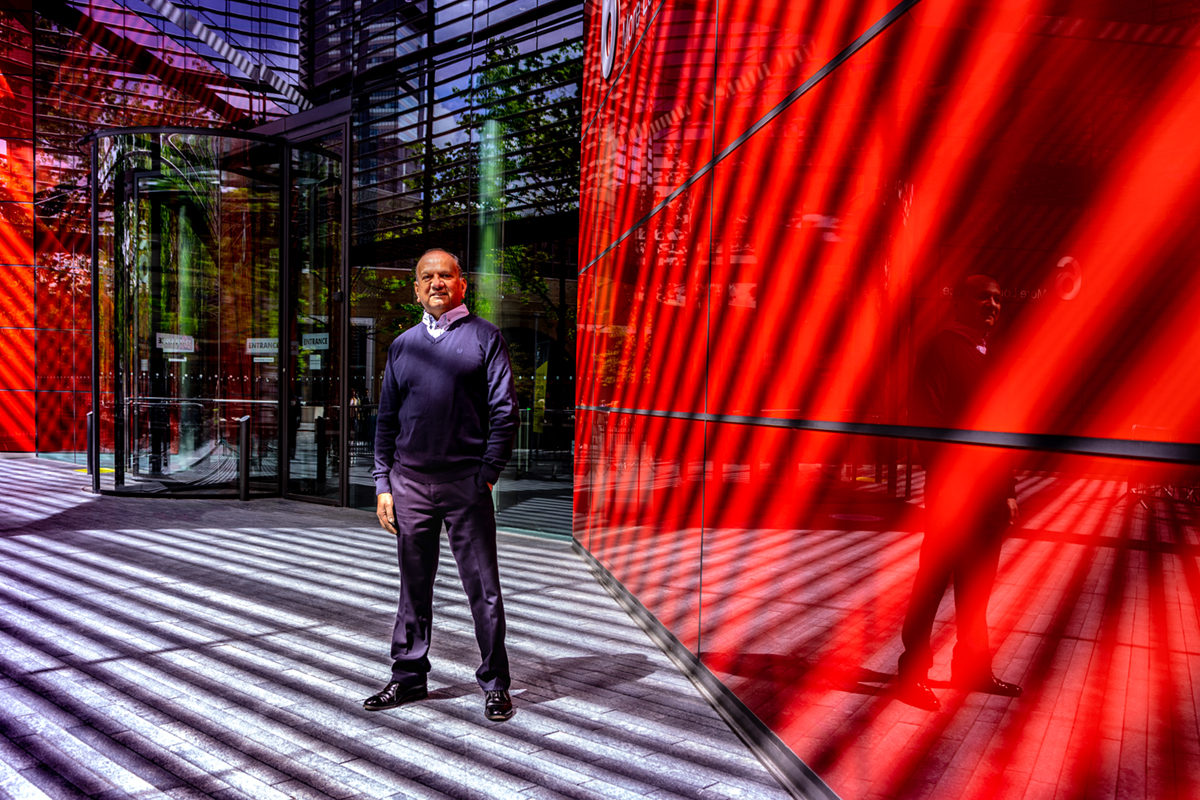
(951, 372)
(448, 408)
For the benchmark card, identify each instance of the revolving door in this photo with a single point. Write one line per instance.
(201, 333)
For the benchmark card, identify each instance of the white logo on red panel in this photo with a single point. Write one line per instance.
(610, 15)
(616, 29)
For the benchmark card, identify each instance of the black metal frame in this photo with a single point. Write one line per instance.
(307, 134)
(339, 124)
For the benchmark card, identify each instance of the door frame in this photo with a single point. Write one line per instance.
(319, 129)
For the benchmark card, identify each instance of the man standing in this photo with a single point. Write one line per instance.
(447, 417)
(970, 501)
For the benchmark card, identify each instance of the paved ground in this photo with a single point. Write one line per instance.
(210, 648)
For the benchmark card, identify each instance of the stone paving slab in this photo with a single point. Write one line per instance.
(215, 649)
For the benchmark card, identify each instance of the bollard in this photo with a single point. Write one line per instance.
(244, 457)
(91, 467)
(322, 451)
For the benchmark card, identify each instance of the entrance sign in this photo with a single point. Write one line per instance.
(314, 341)
(262, 347)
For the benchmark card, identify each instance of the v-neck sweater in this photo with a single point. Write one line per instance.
(951, 373)
(447, 407)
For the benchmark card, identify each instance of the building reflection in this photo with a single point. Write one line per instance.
(786, 564)
(382, 111)
(778, 200)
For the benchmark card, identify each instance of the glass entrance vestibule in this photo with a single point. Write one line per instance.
(219, 266)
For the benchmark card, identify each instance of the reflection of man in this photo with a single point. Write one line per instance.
(355, 422)
(447, 415)
(969, 500)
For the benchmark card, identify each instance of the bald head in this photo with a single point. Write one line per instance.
(439, 282)
(437, 251)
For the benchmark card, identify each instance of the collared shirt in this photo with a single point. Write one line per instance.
(978, 339)
(439, 325)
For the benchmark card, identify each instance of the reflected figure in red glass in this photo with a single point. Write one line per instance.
(970, 501)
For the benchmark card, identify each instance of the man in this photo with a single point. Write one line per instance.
(447, 416)
(970, 500)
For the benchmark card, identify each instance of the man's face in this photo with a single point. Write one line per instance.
(440, 287)
(981, 307)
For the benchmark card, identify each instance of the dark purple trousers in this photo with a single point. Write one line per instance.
(465, 506)
(961, 545)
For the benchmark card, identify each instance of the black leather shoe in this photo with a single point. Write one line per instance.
(988, 684)
(497, 705)
(917, 694)
(395, 694)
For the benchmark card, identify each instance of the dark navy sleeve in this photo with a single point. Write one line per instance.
(387, 427)
(503, 418)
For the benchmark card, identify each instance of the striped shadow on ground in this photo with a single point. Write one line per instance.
(210, 648)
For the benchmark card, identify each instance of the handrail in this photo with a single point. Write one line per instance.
(244, 457)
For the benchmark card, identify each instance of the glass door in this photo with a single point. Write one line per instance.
(316, 419)
(186, 268)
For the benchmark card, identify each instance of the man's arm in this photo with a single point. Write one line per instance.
(386, 429)
(503, 418)
(929, 389)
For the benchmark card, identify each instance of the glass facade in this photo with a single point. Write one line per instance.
(69, 69)
(778, 201)
(467, 139)
(729, 250)
(400, 126)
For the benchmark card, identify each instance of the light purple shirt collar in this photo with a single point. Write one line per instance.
(439, 325)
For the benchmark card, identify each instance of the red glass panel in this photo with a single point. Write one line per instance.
(81, 345)
(16, 420)
(586, 339)
(814, 292)
(16, 171)
(55, 421)
(16, 296)
(885, 193)
(16, 106)
(16, 42)
(649, 309)
(652, 129)
(104, 419)
(643, 478)
(55, 368)
(16, 233)
(62, 190)
(801, 594)
(769, 49)
(16, 368)
(83, 299)
(55, 297)
(581, 497)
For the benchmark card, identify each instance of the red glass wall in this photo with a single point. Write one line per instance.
(66, 70)
(778, 199)
(17, 274)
